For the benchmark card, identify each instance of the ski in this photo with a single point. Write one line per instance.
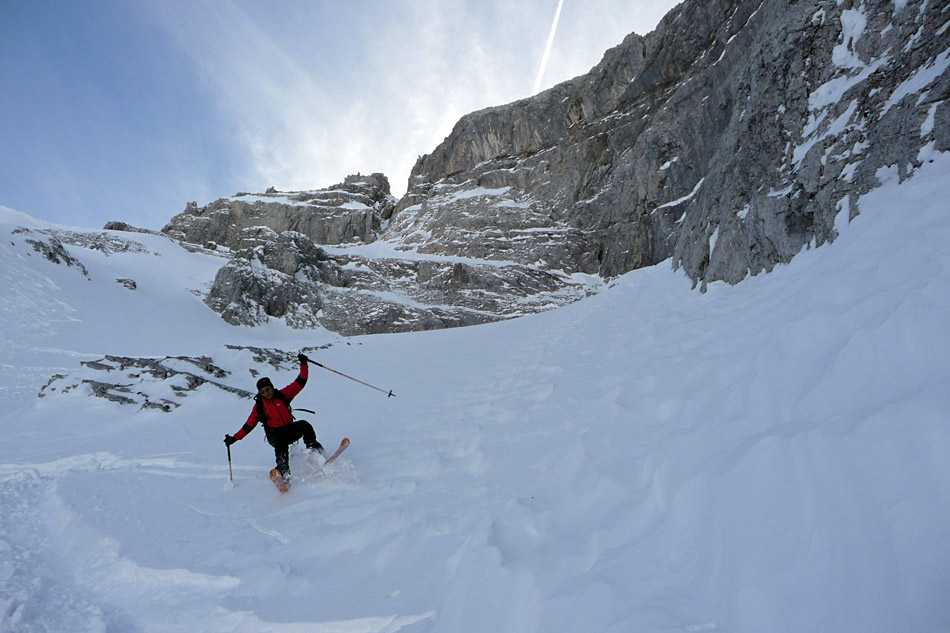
(343, 445)
(282, 484)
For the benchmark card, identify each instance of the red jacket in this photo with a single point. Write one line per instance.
(277, 413)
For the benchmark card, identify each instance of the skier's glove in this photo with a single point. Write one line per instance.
(229, 439)
(303, 359)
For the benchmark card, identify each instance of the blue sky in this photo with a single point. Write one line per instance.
(116, 110)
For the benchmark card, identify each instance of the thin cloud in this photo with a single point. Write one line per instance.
(277, 111)
(421, 68)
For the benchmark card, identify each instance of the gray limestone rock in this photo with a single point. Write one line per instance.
(106, 243)
(728, 139)
(52, 249)
(472, 218)
(733, 136)
(128, 228)
(347, 212)
(143, 382)
(285, 276)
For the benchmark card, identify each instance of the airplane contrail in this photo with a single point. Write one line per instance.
(547, 48)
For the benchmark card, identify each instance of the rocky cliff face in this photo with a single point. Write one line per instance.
(275, 269)
(727, 140)
(285, 276)
(345, 213)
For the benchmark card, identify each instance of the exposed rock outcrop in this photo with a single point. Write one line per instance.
(126, 380)
(736, 134)
(164, 383)
(285, 276)
(349, 212)
(50, 247)
(127, 228)
(728, 139)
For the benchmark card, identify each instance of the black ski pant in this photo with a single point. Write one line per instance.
(282, 437)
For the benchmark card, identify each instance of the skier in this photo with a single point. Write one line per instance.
(272, 409)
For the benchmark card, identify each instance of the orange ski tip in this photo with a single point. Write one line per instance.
(279, 480)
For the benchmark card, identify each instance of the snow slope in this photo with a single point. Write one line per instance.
(773, 456)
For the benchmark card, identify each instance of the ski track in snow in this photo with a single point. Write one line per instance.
(40, 499)
(765, 457)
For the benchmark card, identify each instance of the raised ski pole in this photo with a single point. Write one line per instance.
(389, 394)
(230, 472)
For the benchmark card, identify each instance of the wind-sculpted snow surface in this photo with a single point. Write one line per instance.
(771, 456)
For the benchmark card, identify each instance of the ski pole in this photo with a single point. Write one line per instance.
(390, 394)
(230, 472)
